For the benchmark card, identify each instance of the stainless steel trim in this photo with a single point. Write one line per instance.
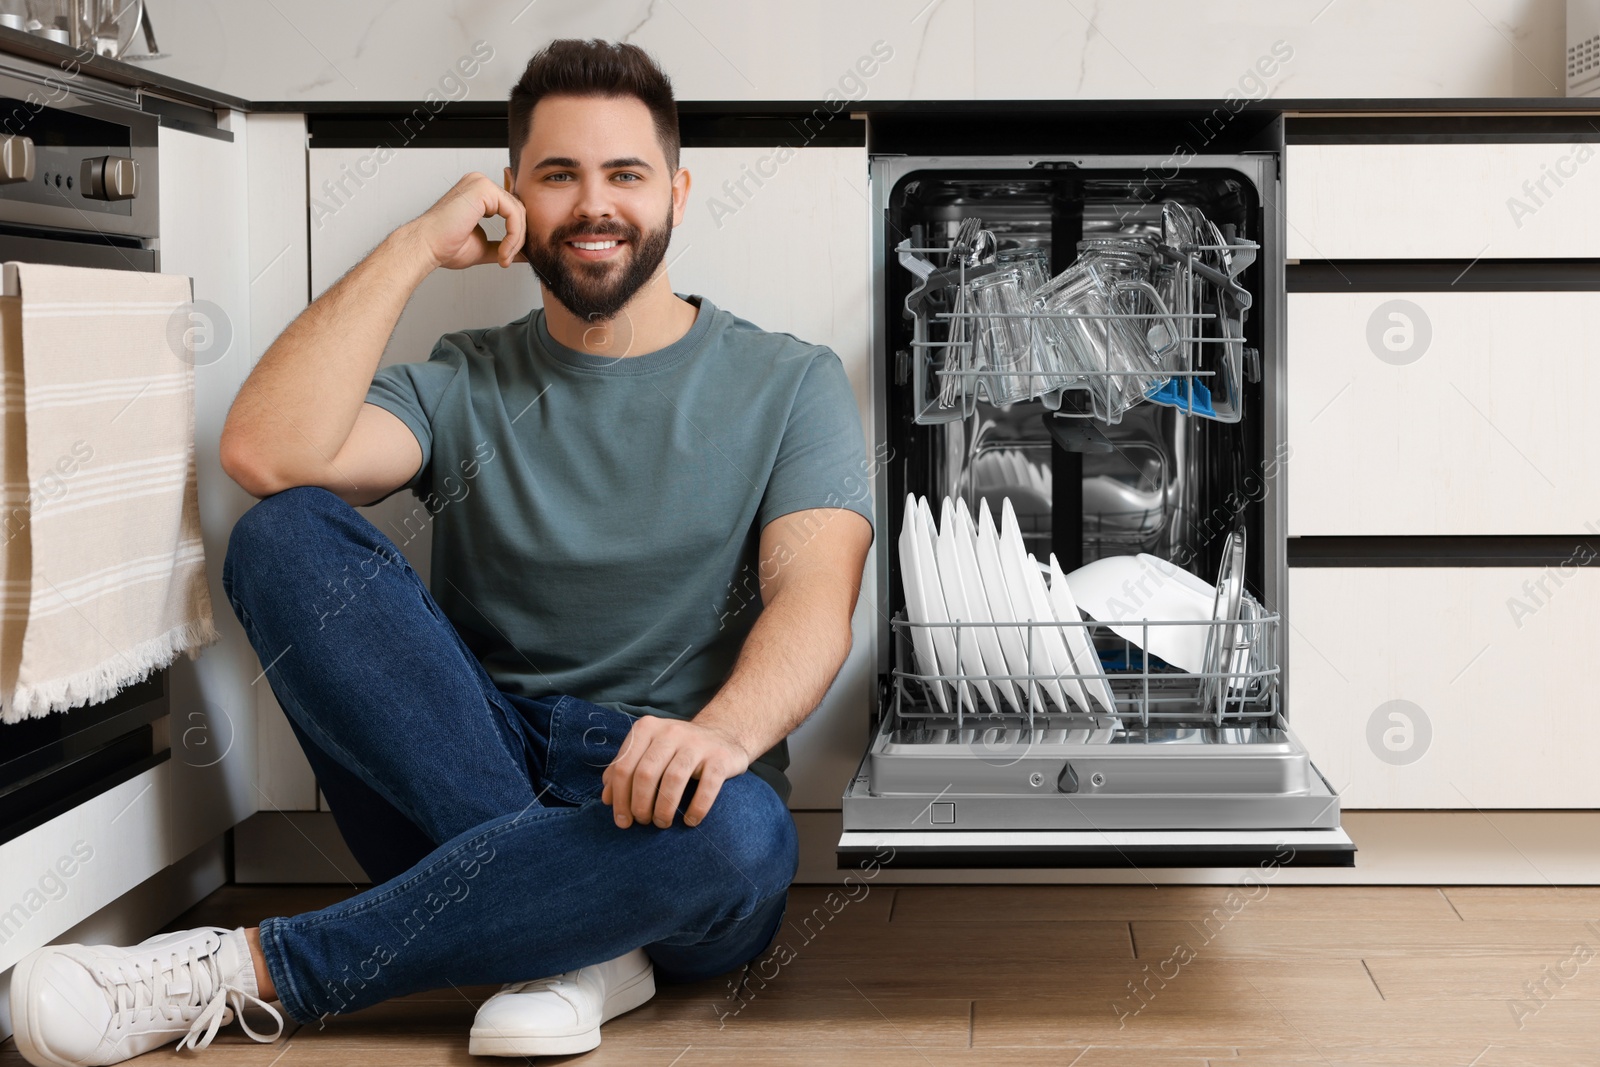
(57, 78)
(1316, 806)
(1068, 839)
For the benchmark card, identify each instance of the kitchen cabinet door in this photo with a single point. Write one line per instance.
(791, 254)
(279, 273)
(778, 238)
(204, 234)
(1442, 413)
(1442, 201)
(1440, 687)
(355, 202)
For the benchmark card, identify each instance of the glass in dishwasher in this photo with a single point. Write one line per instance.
(1033, 268)
(1004, 336)
(1089, 306)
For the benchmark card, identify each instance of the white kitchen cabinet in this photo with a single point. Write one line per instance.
(213, 721)
(279, 278)
(1442, 201)
(1438, 687)
(1476, 417)
(794, 258)
(350, 215)
(789, 254)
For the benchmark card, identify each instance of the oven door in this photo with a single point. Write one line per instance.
(55, 130)
(1170, 777)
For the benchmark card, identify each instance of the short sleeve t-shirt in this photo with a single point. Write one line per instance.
(596, 521)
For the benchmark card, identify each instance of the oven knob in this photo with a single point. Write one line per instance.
(109, 178)
(16, 159)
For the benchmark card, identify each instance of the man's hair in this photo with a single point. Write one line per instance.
(593, 68)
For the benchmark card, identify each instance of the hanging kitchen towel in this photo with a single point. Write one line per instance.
(16, 562)
(107, 556)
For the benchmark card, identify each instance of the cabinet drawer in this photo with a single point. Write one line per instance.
(1490, 430)
(58, 874)
(1448, 688)
(1443, 201)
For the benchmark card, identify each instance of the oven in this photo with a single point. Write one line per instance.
(77, 188)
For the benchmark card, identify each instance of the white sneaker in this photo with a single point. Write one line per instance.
(77, 1005)
(562, 1015)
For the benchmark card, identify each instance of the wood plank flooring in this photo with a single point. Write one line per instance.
(1071, 976)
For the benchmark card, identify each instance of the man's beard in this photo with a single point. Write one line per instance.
(595, 292)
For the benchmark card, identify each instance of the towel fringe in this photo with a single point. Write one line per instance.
(108, 679)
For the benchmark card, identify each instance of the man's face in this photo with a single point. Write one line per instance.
(600, 201)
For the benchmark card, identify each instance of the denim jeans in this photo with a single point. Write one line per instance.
(476, 812)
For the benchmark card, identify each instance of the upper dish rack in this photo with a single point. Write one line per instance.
(1135, 319)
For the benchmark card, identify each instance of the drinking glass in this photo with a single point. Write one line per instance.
(1111, 351)
(1004, 335)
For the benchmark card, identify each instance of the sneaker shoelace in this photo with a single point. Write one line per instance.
(538, 985)
(562, 985)
(174, 984)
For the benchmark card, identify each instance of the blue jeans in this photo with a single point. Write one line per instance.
(477, 813)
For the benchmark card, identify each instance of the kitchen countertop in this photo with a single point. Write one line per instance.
(141, 79)
(130, 75)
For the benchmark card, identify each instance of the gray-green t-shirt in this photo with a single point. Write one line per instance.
(596, 521)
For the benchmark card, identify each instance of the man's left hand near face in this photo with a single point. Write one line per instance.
(658, 758)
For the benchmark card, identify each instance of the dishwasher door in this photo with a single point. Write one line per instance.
(1169, 776)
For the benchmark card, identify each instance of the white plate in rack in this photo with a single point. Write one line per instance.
(944, 637)
(917, 600)
(982, 606)
(1004, 607)
(1027, 585)
(952, 535)
(1077, 639)
(1121, 591)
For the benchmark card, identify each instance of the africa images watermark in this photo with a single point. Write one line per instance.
(453, 889)
(755, 977)
(1553, 979)
(50, 487)
(1250, 87)
(745, 589)
(451, 87)
(16, 122)
(51, 886)
(1536, 192)
(850, 87)
(408, 527)
(1142, 992)
(1537, 592)
(1252, 489)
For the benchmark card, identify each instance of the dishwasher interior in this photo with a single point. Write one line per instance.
(1155, 732)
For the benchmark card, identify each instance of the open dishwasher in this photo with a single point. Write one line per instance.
(1086, 353)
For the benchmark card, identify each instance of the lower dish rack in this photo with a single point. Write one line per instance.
(1163, 757)
(1241, 690)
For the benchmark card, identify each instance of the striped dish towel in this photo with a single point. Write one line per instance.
(103, 566)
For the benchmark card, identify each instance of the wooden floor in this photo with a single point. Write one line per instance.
(1091, 976)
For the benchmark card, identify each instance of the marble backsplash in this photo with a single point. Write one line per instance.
(314, 50)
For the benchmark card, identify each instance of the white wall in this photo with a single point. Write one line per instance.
(307, 50)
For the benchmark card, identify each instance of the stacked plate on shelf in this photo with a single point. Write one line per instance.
(1018, 641)
(1007, 470)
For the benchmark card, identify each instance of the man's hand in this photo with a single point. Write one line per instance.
(657, 759)
(448, 233)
